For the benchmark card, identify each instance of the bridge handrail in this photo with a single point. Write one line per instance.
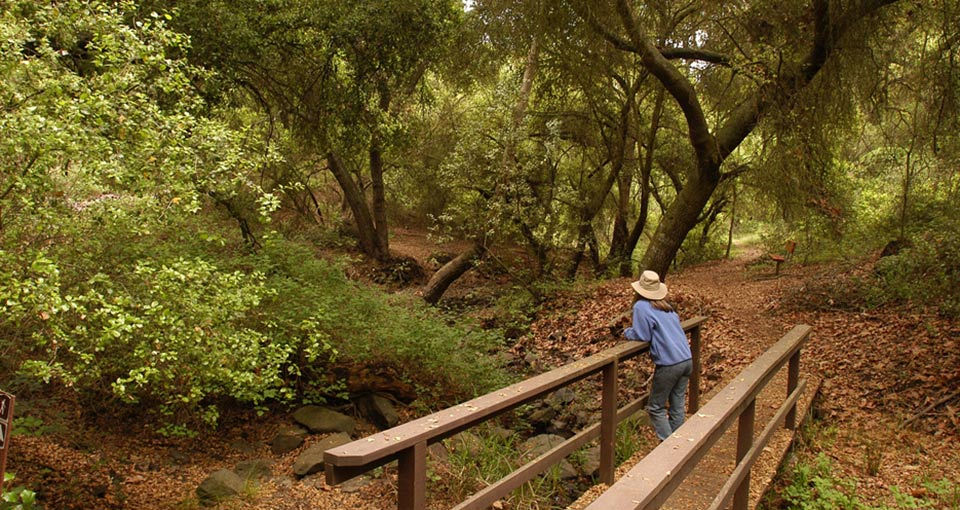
(652, 480)
(408, 442)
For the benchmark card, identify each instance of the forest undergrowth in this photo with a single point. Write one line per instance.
(888, 414)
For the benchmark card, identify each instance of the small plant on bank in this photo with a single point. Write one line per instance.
(630, 439)
(925, 273)
(27, 425)
(16, 498)
(945, 491)
(813, 487)
(177, 337)
(873, 457)
(484, 456)
(813, 483)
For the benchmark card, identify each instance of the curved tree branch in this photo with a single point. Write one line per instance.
(679, 87)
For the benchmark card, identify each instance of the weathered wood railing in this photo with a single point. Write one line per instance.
(408, 442)
(652, 480)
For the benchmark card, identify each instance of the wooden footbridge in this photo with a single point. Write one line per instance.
(651, 481)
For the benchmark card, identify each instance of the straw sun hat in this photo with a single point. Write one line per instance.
(650, 286)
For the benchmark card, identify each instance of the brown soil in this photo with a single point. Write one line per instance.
(879, 370)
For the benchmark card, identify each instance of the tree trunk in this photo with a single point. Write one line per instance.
(592, 200)
(249, 240)
(679, 219)
(619, 251)
(733, 218)
(630, 243)
(582, 233)
(366, 230)
(454, 269)
(380, 225)
(446, 275)
(709, 219)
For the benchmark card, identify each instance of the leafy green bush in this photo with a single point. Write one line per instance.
(118, 275)
(176, 336)
(164, 334)
(927, 273)
(813, 487)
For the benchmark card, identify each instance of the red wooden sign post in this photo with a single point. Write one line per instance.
(6, 419)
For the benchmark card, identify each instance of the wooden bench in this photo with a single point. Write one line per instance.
(787, 255)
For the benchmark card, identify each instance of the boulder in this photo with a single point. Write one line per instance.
(218, 486)
(245, 447)
(253, 469)
(355, 484)
(538, 445)
(563, 396)
(465, 443)
(288, 438)
(311, 460)
(438, 452)
(591, 461)
(378, 409)
(320, 420)
(285, 443)
(542, 417)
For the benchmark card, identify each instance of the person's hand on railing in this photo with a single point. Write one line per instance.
(618, 324)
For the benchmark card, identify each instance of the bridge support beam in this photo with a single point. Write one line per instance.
(694, 388)
(608, 423)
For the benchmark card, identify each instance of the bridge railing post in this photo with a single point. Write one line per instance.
(694, 396)
(412, 478)
(793, 377)
(407, 443)
(741, 497)
(608, 422)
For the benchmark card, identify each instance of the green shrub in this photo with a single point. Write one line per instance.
(167, 335)
(926, 273)
(366, 326)
(813, 487)
(630, 440)
(177, 336)
(483, 456)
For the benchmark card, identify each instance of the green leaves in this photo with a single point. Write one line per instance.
(169, 334)
(16, 498)
(107, 120)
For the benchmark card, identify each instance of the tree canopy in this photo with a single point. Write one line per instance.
(165, 165)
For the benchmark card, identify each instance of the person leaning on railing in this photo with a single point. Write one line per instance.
(655, 321)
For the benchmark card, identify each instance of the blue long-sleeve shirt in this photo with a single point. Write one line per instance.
(668, 342)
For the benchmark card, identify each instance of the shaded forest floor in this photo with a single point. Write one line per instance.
(889, 405)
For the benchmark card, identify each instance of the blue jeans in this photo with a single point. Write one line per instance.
(669, 385)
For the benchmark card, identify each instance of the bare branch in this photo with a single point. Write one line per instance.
(713, 57)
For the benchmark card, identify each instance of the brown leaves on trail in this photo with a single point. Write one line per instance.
(575, 324)
(901, 364)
